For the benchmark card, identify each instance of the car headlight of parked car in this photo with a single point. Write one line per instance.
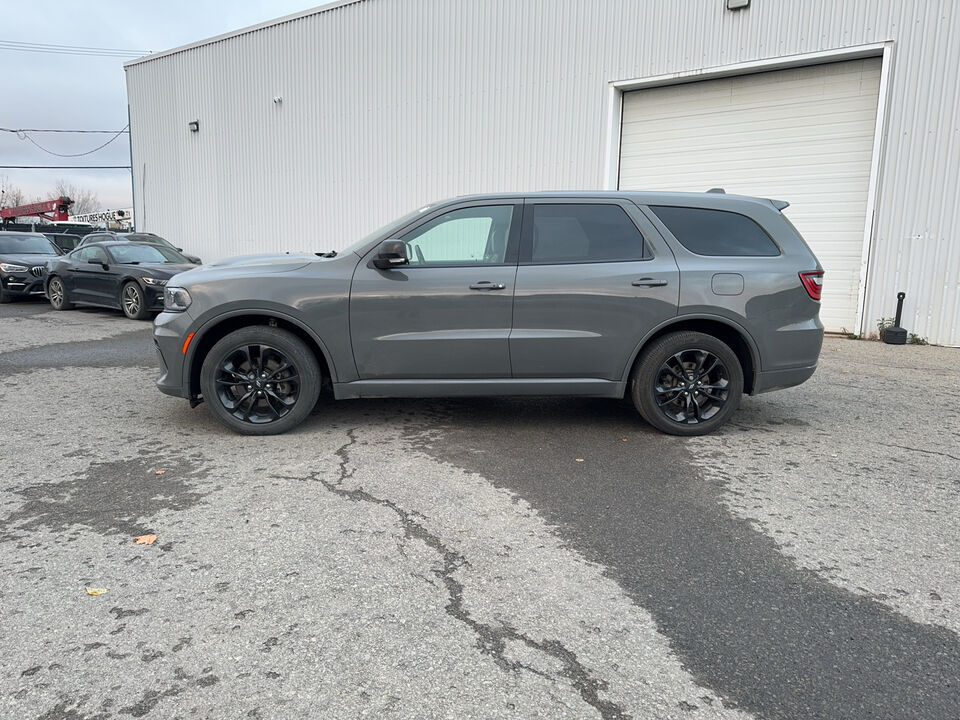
(157, 282)
(7, 267)
(175, 299)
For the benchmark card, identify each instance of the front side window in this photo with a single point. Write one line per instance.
(587, 233)
(92, 253)
(716, 232)
(468, 236)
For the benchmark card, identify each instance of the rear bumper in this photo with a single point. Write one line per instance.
(779, 379)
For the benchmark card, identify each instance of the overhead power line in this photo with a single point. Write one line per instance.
(19, 46)
(24, 135)
(65, 167)
(36, 130)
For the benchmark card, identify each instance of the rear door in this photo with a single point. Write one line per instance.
(594, 277)
(447, 313)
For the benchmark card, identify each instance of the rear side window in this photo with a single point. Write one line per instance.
(716, 232)
(571, 233)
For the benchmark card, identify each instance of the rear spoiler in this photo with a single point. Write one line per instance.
(778, 204)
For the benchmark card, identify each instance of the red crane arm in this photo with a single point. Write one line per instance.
(58, 207)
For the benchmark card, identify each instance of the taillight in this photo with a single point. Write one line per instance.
(812, 283)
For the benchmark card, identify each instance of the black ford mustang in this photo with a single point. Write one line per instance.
(125, 275)
(23, 260)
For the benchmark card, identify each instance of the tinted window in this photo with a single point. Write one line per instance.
(469, 236)
(26, 245)
(91, 252)
(586, 233)
(716, 232)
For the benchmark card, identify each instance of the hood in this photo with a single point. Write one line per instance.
(164, 269)
(29, 261)
(248, 265)
(277, 262)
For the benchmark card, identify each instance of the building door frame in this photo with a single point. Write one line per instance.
(884, 50)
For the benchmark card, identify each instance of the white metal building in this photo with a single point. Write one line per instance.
(314, 129)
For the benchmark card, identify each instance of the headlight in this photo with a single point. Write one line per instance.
(175, 299)
(154, 281)
(7, 267)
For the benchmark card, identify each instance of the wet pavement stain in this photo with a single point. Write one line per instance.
(112, 497)
(766, 635)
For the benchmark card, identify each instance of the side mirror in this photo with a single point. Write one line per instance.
(98, 262)
(391, 254)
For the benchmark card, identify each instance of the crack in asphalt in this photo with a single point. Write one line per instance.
(492, 639)
(919, 450)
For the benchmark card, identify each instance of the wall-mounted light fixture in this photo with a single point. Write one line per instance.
(737, 4)
(194, 125)
(277, 100)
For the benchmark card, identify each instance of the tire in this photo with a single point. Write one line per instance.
(253, 405)
(695, 401)
(57, 294)
(133, 303)
(5, 297)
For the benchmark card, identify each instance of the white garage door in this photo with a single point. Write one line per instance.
(803, 135)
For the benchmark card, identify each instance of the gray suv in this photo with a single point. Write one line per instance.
(681, 301)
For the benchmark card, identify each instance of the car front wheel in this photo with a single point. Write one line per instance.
(260, 380)
(687, 383)
(133, 303)
(57, 293)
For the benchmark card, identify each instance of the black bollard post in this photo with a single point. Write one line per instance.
(896, 335)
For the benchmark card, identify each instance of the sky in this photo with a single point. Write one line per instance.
(74, 92)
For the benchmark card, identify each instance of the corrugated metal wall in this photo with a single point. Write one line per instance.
(389, 104)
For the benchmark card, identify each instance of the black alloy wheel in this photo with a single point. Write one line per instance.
(687, 383)
(692, 386)
(132, 302)
(260, 380)
(57, 293)
(257, 383)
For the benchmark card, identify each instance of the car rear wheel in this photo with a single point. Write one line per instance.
(260, 380)
(687, 383)
(57, 293)
(133, 303)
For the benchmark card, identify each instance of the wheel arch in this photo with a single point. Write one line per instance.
(724, 329)
(215, 329)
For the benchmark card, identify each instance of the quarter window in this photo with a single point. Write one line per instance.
(716, 232)
(468, 236)
(587, 233)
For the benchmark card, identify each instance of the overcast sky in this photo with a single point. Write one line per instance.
(80, 92)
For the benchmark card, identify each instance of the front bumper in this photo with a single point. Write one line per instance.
(22, 284)
(169, 332)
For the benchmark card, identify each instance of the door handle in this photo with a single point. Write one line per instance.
(648, 282)
(487, 285)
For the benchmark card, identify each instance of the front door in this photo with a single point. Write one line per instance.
(594, 278)
(90, 281)
(447, 313)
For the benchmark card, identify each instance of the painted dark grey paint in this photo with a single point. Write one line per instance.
(552, 329)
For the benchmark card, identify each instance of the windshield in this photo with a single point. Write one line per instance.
(26, 245)
(386, 230)
(127, 254)
(153, 239)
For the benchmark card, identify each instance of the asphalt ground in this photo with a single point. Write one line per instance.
(473, 558)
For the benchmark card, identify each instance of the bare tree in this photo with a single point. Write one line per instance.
(84, 201)
(10, 194)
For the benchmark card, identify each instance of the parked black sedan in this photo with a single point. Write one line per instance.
(23, 259)
(125, 275)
